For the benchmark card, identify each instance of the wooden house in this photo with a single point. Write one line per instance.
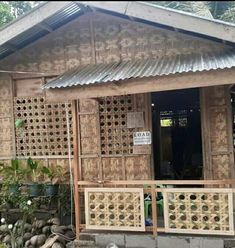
(132, 95)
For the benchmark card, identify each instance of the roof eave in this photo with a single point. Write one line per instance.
(176, 19)
(35, 17)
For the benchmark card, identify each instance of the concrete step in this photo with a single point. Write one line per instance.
(87, 236)
(82, 244)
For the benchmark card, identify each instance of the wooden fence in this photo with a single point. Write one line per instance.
(186, 206)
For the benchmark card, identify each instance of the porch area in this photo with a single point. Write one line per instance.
(201, 207)
(121, 153)
(119, 188)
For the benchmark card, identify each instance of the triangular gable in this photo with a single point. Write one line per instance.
(51, 15)
(100, 38)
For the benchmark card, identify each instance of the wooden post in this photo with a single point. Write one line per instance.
(154, 210)
(13, 94)
(76, 167)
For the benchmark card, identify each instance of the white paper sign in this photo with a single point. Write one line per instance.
(142, 138)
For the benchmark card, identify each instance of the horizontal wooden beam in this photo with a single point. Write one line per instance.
(144, 85)
(159, 182)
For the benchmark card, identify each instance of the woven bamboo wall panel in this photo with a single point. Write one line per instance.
(221, 166)
(91, 169)
(88, 106)
(105, 141)
(45, 130)
(89, 126)
(138, 167)
(114, 209)
(217, 133)
(6, 128)
(59, 161)
(218, 95)
(218, 129)
(199, 211)
(89, 134)
(5, 148)
(113, 168)
(140, 102)
(5, 92)
(114, 39)
(6, 117)
(5, 107)
(116, 138)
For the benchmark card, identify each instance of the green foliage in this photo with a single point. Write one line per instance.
(21, 201)
(19, 123)
(26, 206)
(9, 10)
(33, 171)
(229, 15)
(20, 7)
(5, 13)
(33, 165)
(54, 175)
(12, 174)
(223, 10)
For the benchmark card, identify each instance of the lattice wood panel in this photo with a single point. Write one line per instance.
(114, 209)
(116, 138)
(199, 211)
(45, 130)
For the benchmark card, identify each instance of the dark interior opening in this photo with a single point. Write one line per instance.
(177, 145)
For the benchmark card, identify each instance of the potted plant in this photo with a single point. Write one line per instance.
(12, 176)
(52, 178)
(34, 173)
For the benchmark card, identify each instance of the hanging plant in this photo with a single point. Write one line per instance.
(19, 123)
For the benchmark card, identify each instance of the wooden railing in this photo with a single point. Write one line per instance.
(191, 206)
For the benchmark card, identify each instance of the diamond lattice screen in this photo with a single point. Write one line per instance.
(114, 209)
(116, 138)
(205, 211)
(44, 132)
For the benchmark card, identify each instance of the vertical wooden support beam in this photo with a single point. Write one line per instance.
(230, 133)
(76, 167)
(205, 133)
(154, 210)
(149, 117)
(100, 166)
(13, 94)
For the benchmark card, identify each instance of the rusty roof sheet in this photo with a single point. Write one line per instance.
(101, 73)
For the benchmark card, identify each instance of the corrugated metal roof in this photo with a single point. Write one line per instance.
(102, 73)
(70, 12)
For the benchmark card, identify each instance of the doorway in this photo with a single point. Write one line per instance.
(177, 145)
